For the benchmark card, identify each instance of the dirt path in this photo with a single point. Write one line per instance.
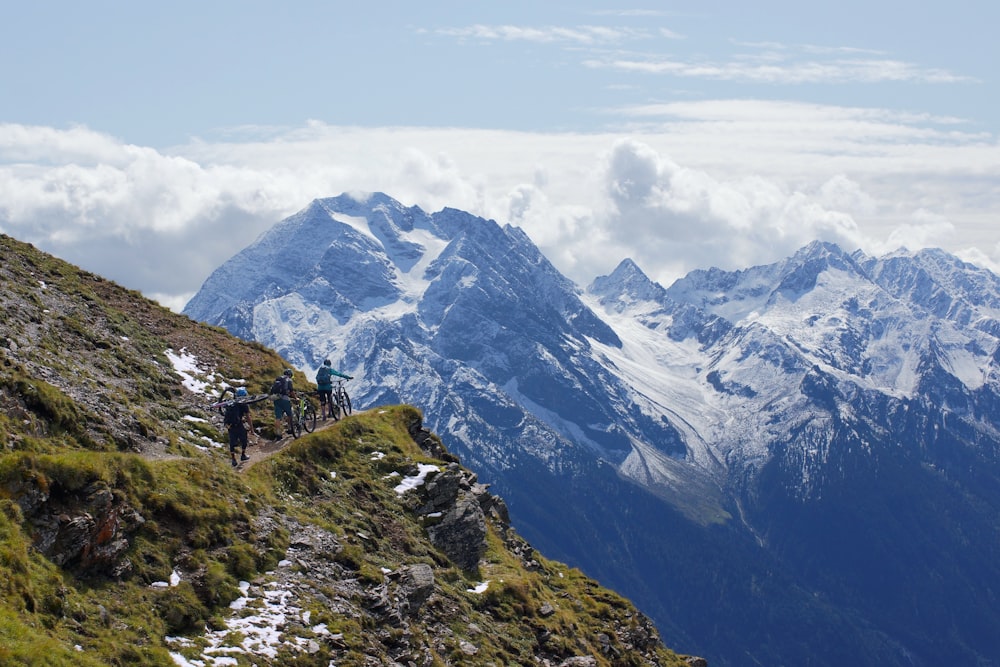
(259, 449)
(263, 448)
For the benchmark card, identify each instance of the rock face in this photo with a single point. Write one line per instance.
(87, 531)
(456, 522)
(456, 506)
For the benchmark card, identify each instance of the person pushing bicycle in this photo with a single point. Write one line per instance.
(324, 385)
(282, 393)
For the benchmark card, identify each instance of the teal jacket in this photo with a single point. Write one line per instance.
(324, 381)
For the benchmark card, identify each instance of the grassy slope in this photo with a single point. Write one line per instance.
(89, 401)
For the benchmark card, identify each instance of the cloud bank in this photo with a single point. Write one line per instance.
(715, 183)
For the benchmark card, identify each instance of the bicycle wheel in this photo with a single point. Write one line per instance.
(309, 418)
(345, 403)
(296, 423)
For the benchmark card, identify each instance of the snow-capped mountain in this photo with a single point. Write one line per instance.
(809, 449)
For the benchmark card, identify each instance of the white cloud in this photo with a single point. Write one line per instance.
(45, 144)
(584, 35)
(980, 258)
(926, 229)
(665, 210)
(778, 70)
(764, 62)
(776, 63)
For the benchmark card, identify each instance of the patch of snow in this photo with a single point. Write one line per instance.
(480, 588)
(194, 378)
(414, 481)
(258, 623)
(181, 661)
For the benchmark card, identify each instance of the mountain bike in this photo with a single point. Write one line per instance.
(303, 415)
(340, 402)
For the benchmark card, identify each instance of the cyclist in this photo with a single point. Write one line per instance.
(324, 385)
(283, 393)
(237, 421)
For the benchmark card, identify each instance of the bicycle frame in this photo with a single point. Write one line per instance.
(340, 401)
(304, 415)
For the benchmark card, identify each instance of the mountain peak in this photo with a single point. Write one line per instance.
(801, 272)
(360, 200)
(819, 249)
(627, 271)
(627, 284)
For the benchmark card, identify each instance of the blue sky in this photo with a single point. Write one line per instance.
(139, 137)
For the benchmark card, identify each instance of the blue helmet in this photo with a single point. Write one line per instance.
(241, 391)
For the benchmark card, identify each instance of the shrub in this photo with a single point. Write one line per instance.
(217, 587)
(241, 560)
(181, 609)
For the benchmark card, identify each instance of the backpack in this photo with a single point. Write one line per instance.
(324, 375)
(232, 415)
(279, 387)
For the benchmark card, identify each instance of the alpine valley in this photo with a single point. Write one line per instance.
(794, 464)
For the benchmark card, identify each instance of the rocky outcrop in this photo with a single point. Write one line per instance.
(456, 523)
(454, 505)
(428, 442)
(87, 531)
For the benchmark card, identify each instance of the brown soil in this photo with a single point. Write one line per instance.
(262, 448)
